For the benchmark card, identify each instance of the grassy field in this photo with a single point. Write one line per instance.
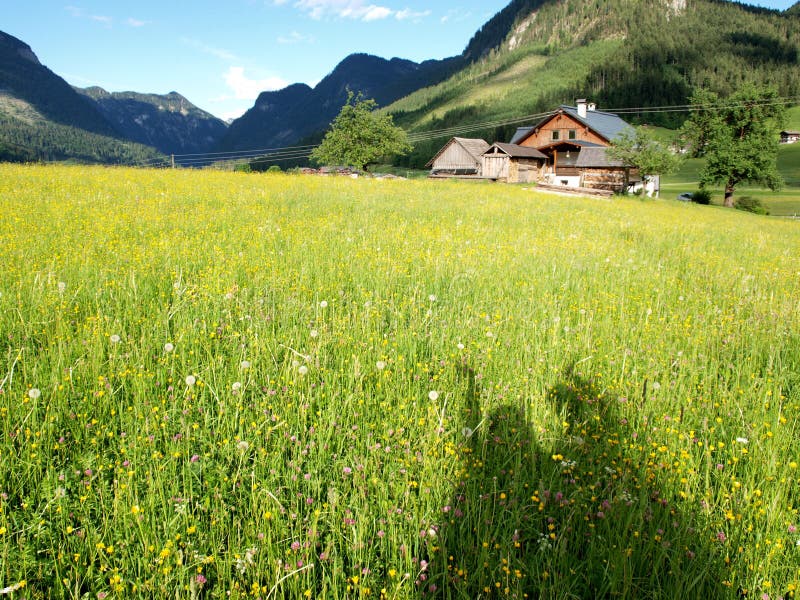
(220, 385)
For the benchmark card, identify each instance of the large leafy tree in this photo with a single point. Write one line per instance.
(359, 136)
(738, 136)
(638, 148)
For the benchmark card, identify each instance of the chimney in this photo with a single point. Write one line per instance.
(581, 105)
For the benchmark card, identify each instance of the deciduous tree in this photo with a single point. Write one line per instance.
(360, 137)
(738, 136)
(638, 148)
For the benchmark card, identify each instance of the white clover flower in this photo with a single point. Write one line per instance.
(168, 347)
(34, 393)
(433, 395)
(432, 298)
(237, 385)
(191, 380)
(314, 333)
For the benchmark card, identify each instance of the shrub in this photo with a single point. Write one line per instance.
(701, 196)
(274, 169)
(243, 168)
(750, 204)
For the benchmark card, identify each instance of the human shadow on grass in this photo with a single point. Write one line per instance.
(565, 513)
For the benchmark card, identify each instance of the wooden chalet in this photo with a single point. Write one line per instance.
(513, 163)
(573, 138)
(460, 157)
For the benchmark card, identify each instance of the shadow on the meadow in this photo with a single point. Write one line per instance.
(566, 514)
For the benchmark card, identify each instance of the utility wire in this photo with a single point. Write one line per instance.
(303, 151)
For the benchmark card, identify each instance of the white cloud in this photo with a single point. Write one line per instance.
(344, 9)
(407, 13)
(376, 13)
(295, 38)
(135, 22)
(230, 115)
(212, 50)
(80, 13)
(245, 88)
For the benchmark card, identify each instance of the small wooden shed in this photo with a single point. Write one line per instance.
(459, 157)
(600, 171)
(513, 163)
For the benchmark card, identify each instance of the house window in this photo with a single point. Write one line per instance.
(572, 134)
(555, 134)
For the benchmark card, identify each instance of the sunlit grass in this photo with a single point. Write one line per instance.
(218, 385)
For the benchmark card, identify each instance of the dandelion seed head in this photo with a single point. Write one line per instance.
(191, 380)
(34, 393)
(302, 369)
(245, 364)
(237, 385)
(323, 304)
(380, 365)
(433, 395)
(169, 347)
(314, 333)
(114, 339)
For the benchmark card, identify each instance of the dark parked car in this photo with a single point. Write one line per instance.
(685, 197)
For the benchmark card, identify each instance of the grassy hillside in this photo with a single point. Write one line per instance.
(219, 385)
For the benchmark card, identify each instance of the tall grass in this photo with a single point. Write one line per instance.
(217, 385)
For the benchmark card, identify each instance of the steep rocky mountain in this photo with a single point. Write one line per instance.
(28, 82)
(283, 117)
(169, 123)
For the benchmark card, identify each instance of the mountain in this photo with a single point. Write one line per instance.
(283, 117)
(43, 118)
(618, 53)
(169, 123)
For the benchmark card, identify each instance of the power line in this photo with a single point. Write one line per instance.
(304, 151)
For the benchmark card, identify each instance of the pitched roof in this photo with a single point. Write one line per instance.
(520, 134)
(515, 151)
(474, 147)
(596, 157)
(608, 125)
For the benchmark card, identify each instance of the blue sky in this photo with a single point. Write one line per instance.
(221, 54)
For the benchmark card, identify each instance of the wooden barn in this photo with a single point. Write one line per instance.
(459, 157)
(512, 163)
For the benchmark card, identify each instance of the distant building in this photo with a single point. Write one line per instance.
(566, 148)
(513, 163)
(790, 137)
(459, 157)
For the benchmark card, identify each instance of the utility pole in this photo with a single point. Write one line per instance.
(172, 156)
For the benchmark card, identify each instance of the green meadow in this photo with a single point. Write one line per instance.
(225, 385)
